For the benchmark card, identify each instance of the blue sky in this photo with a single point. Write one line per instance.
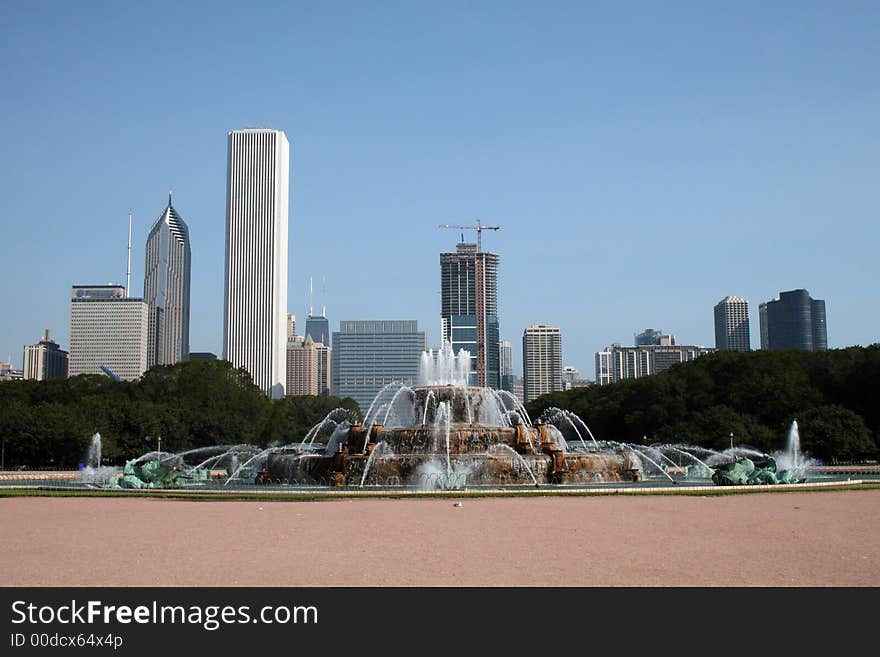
(643, 159)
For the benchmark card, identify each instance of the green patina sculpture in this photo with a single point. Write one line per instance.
(166, 473)
(746, 472)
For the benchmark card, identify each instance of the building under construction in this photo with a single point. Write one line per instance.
(469, 306)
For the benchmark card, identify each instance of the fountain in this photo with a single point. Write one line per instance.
(446, 434)
(93, 471)
(93, 459)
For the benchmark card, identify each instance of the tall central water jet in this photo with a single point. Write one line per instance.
(93, 459)
(444, 367)
(794, 445)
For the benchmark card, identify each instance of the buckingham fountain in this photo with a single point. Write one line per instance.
(445, 434)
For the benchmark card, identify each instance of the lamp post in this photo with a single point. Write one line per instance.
(731, 440)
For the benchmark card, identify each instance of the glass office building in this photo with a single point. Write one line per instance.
(368, 355)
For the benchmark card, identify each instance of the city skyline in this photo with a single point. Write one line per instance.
(777, 139)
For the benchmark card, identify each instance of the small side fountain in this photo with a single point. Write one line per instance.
(93, 472)
(787, 467)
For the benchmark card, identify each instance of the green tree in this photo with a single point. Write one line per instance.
(833, 433)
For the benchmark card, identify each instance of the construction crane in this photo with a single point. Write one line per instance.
(479, 228)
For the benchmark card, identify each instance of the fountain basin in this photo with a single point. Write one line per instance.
(446, 448)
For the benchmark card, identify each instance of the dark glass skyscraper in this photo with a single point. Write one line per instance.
(794, 321)
(166, 289)
(469, 309)
(318, 329)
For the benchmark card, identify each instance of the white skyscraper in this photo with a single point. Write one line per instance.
(107, 330)
(542, 360)
(255, 293)
(732, 324)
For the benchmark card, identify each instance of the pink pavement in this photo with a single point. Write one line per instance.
(772, 539)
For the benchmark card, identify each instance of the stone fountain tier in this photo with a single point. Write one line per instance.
(463, 439)
(409, 457)
(467, 404)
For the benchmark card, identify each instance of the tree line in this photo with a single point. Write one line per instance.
(834, 395)
(189, 405)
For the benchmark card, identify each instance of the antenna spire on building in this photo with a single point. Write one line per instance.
(323, 296)
(311, 314)
(128, 268)
(169, 198)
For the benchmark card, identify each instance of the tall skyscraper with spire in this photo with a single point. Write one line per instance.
(317, 326)
(255, 291)
(167, 289)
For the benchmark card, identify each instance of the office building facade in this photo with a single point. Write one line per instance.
(732, 324)
(107, 330)
(794, 320)
(617, 362)
(368, 355)
(255, 291)
(542, 361)
(44, 360)
(469, 310)
(167, 289)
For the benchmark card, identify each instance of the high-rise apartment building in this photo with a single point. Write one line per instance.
(794, 321)
(764, 327)
(9, 373)
(570, 375)
(517, 390)
(732, 324)
(302, 369)
(469, 309)
(308, 368)
(654, 337)
(368, 355)
(166, 289)
(107, 330)
(542, 361)
(505, 361)
(616, 363)
(325, 368)
(255, 292)
(291, 328)
(44, 360)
